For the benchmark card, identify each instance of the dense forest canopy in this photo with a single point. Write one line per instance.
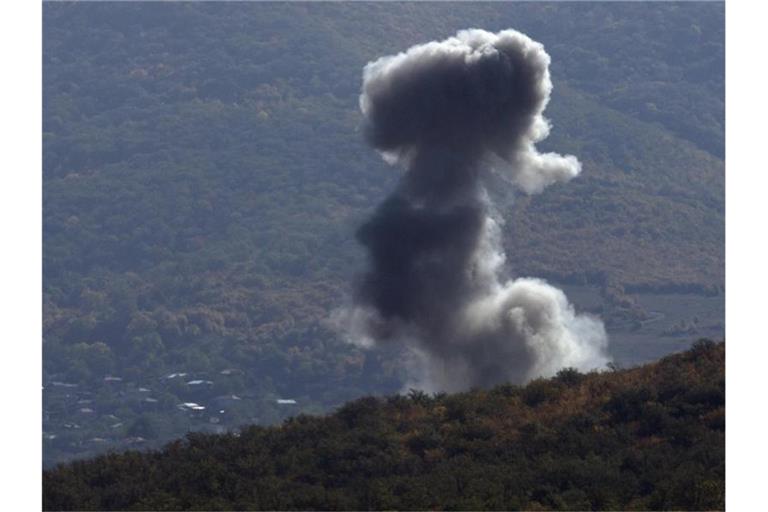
(204, 175)
(651, 438)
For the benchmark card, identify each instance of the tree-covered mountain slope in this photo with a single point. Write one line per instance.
(204, 174)
(649, 438)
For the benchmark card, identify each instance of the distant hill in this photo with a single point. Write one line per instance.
(204, 175)
(649, 438)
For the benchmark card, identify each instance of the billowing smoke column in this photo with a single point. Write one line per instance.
(453, 113)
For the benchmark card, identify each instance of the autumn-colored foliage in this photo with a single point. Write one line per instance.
(645, 438)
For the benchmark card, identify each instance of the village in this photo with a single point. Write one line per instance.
(117, 414)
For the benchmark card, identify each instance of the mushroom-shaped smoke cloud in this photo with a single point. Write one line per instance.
(445, 111)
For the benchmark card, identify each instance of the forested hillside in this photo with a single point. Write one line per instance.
(204, 175)
(651, 438)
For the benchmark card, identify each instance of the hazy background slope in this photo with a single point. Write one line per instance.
(204, 174)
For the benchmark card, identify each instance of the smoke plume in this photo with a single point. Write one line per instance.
(456, 114)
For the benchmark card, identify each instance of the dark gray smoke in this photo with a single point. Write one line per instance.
(453, 113)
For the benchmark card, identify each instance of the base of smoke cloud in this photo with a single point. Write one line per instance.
(512, 331)
(538, 319)
(524, 329)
